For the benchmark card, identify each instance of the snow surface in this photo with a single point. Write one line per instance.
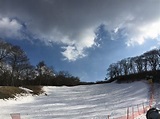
(80, 102)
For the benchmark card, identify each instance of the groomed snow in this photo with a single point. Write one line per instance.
(79, 102)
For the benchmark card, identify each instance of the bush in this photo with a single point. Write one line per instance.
(10, 92)
(37, 90)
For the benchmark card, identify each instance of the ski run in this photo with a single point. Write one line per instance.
(101, 101)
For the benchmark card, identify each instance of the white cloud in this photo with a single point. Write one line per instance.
(76, 49)
(71, 53)
(10, 28)
(140, 33)
(153, 47)
(73, 46)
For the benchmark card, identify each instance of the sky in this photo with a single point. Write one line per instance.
(82, 37)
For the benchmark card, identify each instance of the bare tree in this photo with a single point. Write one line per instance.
(125, 66)
(5, 49)
(18, 62)
(44, 73)
(153, 59)
(138, 64)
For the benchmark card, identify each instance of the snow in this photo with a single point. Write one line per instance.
(26, 89)
(80, 102)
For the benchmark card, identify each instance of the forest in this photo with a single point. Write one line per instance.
(16, 70)
(140, 67)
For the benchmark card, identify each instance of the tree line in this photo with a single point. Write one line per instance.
(16, 69)
(136, 67)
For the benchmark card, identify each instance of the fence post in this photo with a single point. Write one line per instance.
(133, 112)
(138, 109)
(143, 108)
(128, 113)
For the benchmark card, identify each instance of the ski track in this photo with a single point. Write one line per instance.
(80, 102)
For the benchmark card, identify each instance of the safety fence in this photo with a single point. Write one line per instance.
(130, 112)
(135, 111)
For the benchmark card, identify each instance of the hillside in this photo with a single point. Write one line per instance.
(93, 101)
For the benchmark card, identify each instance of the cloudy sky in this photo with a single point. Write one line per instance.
(81, 36)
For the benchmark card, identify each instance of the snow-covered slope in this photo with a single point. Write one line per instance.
(80, 102)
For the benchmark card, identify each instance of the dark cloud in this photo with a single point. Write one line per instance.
(73, 22)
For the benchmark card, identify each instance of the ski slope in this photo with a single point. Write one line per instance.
(80, 102)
